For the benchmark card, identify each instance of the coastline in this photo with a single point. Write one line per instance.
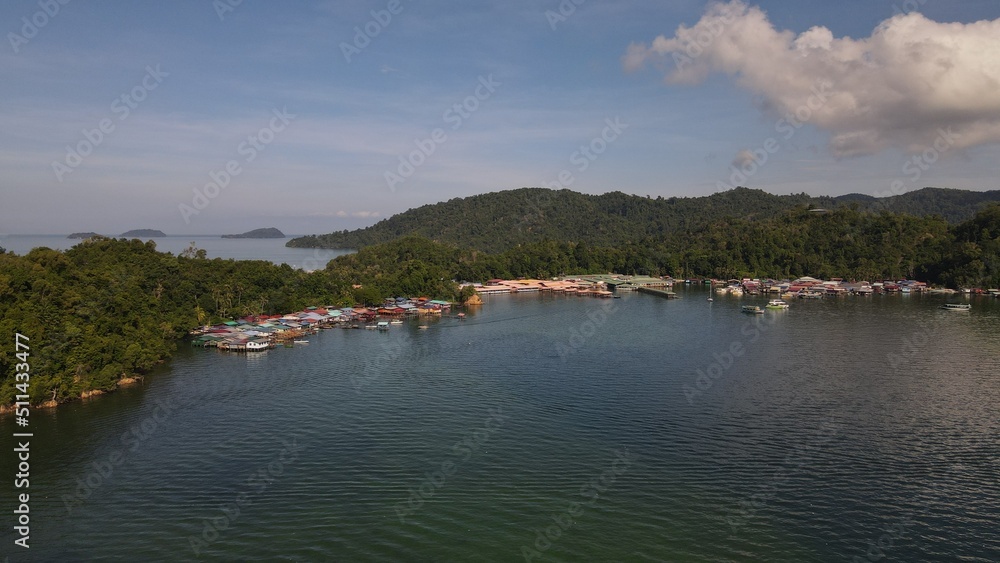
(126, 381)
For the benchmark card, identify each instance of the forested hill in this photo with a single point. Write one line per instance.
(954, 206)
(497, 221)
(107, 309)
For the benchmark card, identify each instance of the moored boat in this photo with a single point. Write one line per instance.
(752, 309)
(956, 307)
(776, 304)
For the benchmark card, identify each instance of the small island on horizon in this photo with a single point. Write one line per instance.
(83, 235)
(269, 232)
(146, 233)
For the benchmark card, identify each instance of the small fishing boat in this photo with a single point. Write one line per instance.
(382, 325)
(753, 309)
(396, 322)
(956, 307)
(776, 304)
(300, 341)
(423, 326)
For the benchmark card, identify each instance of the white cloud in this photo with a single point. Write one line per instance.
(902, 87)
(743, 158)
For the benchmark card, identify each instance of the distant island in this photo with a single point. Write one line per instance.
(144, 233)
(269, 232)
(83, 235)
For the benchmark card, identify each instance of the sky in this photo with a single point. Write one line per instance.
(213, 117)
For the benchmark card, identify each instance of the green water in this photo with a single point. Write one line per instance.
(549, 428)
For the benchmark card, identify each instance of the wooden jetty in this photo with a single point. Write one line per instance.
(658, 292)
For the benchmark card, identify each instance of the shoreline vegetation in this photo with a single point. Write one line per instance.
(110, 310)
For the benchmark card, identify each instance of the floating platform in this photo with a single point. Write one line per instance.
(658, 292)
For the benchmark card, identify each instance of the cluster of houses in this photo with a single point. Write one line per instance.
(807, 287)
(262, 332)
(599, 285)
(575, 286)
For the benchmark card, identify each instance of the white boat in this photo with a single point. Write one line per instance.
(396, 322)
(753, 309)
(300, 342)
(382, 325)
(776, 304)
(956, 307)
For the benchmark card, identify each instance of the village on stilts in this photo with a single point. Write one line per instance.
(262, 332)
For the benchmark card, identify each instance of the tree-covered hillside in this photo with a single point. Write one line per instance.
(846, 242)
(498, 221)
(109, 309)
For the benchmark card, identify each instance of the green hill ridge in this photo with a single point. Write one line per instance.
(497, 221)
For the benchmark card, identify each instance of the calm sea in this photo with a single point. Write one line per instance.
(273, 250)
(548, 428)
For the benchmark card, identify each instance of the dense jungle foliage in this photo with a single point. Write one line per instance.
(498, 221)
(108, 309)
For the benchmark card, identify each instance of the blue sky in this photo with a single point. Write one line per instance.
(196, 85)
